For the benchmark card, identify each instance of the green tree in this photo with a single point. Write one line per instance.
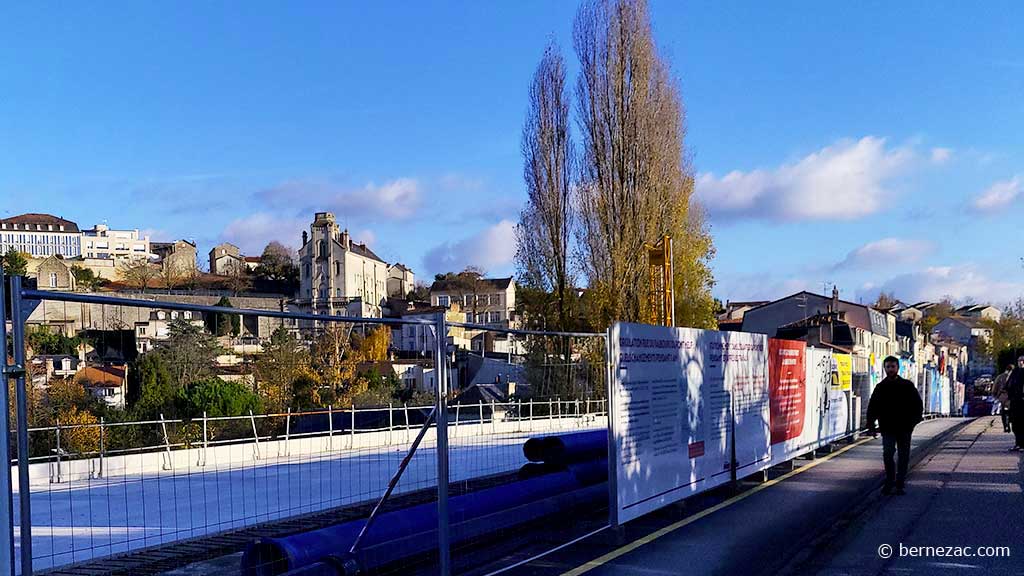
(85, 278)
(151, 389)
(224, 324)
(42, 341)
(1007, 339)
(419, 293)
(278, 264)
(188, 352)
(217, 397)
(15, 263)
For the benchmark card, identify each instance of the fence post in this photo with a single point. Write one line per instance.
(288, 433)
(519, 415)
(102, 448)
(57, 451)
(168, 463)
(577, 402)
(441, 407)
(255, 436)
(21, 398)
(494, 422)
(206, 438)
(352, 430)
(330, 427)
(6, 504)
(531, 413)
(406, 404)
(391, 422)
(481, 406)
(551, 414)
(457, 406)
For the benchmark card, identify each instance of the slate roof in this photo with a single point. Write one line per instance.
(30, 220)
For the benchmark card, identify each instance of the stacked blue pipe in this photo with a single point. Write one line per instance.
(566, 472)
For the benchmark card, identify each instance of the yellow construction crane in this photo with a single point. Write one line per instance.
(659, 270)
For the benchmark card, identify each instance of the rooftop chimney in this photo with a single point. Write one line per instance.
(835, 298)
(305, 237)
(346, 240)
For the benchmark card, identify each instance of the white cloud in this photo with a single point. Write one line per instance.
(885, 252)
(397, 199)
(845, 181)
(999, 195)
(961, 283)
(368, 237)
(253, 232)
(490, 249)
(941, 155)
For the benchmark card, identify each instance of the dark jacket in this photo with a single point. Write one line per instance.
(896, 405)
(1015, 385)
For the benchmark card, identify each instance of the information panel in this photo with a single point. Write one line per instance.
(675, 393)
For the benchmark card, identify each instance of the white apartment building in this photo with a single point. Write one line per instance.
(40, 236)
(102, 243)
(335, 272)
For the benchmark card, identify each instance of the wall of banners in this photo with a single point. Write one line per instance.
(685, 403)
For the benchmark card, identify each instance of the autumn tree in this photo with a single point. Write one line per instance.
(283, 363)
(635, 182)
(1007, 339)
(546, 223)
(937, 313)
(138, 273)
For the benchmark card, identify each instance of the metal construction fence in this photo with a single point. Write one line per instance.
(347, 429)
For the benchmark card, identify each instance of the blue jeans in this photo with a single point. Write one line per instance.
(896, 471)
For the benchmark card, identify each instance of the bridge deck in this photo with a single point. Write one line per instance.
(828, 517)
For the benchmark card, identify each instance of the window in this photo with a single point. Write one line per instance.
(53, 279)
(443, 301)
(495, 316)
(142, 330)
(483, 299)
(174, 314)
(337, 268)
(187, 315)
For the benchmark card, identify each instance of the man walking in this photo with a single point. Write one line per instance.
(1015, 392)
(1001, 405)
(897, 407)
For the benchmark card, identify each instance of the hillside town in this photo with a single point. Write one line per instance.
(334, 274)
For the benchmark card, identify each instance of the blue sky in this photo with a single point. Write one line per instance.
(870, 145)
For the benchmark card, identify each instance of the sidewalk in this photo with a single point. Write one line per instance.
(758, 534)
(968, 494)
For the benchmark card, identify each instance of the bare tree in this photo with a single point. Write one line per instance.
(545, 224)
(170, 275)
(238, 278)
(138, 273)
(635, 183)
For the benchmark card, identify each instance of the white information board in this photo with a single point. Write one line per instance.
(674, 394)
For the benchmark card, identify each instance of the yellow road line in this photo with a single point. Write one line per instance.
(584, 568)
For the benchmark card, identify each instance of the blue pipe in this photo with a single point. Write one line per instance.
(272, 556)
(565, 449)
(381, 553)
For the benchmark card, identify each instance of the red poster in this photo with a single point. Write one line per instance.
(787, 388)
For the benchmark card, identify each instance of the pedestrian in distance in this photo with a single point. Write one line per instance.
(1001, 405)
(896, 405)
(1015, 392)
